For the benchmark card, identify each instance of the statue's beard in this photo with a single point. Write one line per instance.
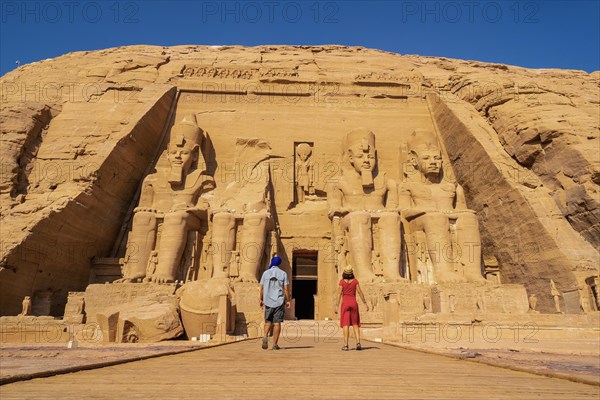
(176, 175)
(367, 178)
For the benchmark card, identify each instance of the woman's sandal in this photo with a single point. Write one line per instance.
(358, 346)
(345, 348)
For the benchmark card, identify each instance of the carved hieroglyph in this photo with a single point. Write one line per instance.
(170, 197)
(361, 199)
(435, 206)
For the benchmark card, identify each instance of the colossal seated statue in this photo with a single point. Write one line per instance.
(363, 199)
(171, 196)
(436, 207)
(241, 215)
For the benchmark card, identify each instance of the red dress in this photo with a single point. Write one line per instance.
(349, 312)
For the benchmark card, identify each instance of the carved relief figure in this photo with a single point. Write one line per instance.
(304, 172)
(438, 208)
(171, 194)
(361, 197)
(152, 262)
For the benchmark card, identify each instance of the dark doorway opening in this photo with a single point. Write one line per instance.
(304, 283)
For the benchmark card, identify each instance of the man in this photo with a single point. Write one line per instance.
(274, 286)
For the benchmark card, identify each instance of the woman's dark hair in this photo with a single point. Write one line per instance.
(347, 276)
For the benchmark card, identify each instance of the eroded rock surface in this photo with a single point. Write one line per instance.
(81, 131)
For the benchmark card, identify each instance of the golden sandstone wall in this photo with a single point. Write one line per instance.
(79, 132)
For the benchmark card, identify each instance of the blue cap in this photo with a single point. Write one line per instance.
(275, 261)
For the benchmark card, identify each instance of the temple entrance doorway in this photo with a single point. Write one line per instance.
(304, 283)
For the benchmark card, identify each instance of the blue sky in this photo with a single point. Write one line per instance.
(536, 34)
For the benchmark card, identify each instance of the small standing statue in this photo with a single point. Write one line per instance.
(533, 304)
(376, 263)
(234, 265)
(556, 295)
(452, 303)
(151, 267)
(80, 305)
(427, 306)
(304, 172)
(26, 307)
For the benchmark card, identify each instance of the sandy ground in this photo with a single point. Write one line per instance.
(568, 353)
(30, 360)
(561, 353)
(305, 368)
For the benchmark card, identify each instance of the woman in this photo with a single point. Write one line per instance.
(349, 312)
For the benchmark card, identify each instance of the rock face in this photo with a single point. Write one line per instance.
(80, 132)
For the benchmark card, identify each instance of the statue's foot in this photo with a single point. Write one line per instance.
(129, 280)
(392, 278)
(162, 279)
(449, 277)
(477, 279)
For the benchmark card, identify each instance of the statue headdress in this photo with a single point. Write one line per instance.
(423, 139)
(366, 139)
(187, 131)
(359, 135)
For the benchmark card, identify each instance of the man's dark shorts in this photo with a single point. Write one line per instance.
(275, 314)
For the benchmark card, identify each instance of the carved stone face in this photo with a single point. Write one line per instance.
(430, 161)
(362, 157)
(181, 156)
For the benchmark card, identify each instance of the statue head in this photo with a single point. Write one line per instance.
(184, 147)
(425, 154)
(304, 151)
(360, 153)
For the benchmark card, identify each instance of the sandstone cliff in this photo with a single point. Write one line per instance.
(79, 132)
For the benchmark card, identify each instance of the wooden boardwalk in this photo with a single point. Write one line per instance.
(307, 368)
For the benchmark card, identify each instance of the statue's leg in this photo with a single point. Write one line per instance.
(223, 240)
(252, 245)
(469, 241)
(360, 243)
(140, 244)
(389, 243)
(173, 239)
(439, 246)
